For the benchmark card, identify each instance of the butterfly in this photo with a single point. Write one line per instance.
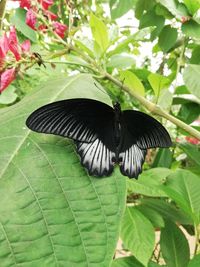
(104, 135)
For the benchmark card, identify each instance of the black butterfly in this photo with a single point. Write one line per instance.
(103, 135)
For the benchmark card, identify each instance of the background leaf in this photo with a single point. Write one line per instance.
(138, 241)
(126, 262)
(167, 38)
(132, 81)
(51, 212)
(183, 187)
(174, 246)
(99, 32)
(119, 7)
(191, 79)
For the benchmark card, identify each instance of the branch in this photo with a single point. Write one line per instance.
(2, 12)
(153, 108)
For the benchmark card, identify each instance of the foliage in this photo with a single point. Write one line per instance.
(145, 53)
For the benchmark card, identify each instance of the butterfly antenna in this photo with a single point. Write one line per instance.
(101, 89)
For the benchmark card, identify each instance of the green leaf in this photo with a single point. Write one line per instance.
(174, 7)
(120, 7)
(121, 61)
(138, 241)
(165, 99)
(192, 152)
(192, 5)
(158, 82)
(99, 32)
(183, 187)
(142, 6)
(152, 215)
(163, 158)
(195, 58)
(167, 210)
(189, 112)
(86, 45)
(51, 212)
(191, 78)
(19, 20)
(126, 262)
(150, 18)
(191, 29)
(132, 81)
(174, 246)
(167, 38)
(149, 182)
(8, 96)
(195, 262)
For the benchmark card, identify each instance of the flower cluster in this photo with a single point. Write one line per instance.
(10, 45)
(31, 16)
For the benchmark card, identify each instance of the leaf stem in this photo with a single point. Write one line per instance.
(2, 12)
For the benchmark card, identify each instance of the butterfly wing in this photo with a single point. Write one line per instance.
(131, 156)
(88, 122)
(96, 157)
(146, 132)
(138, 133)
(78, 119)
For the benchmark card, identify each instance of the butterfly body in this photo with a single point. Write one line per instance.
(104, 136)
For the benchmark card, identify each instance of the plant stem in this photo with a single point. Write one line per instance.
(197, 236)
(2, 12)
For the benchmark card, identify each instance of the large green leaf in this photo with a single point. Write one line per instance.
(19, 20)
(183, 187)
(174, 246)
(149, 182)
(192, 151)
(139, 241)
(51, 212)
(126, 262)
(191, 79)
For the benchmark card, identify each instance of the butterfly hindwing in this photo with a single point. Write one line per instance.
(78, 119)
(96, 157)
(146, 132)
(131, 157)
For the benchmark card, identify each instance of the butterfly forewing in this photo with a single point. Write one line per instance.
(146, 131)
(79, 119)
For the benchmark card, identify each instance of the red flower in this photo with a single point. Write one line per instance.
(13, 43)
(192, 140)
(25, 3)
(31, 19)
(60, 28)
(46, 3)
(6, 78)
(4, 47)
(50, 15)
(26, 45)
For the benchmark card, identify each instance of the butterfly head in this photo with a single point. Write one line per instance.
(117, 107)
